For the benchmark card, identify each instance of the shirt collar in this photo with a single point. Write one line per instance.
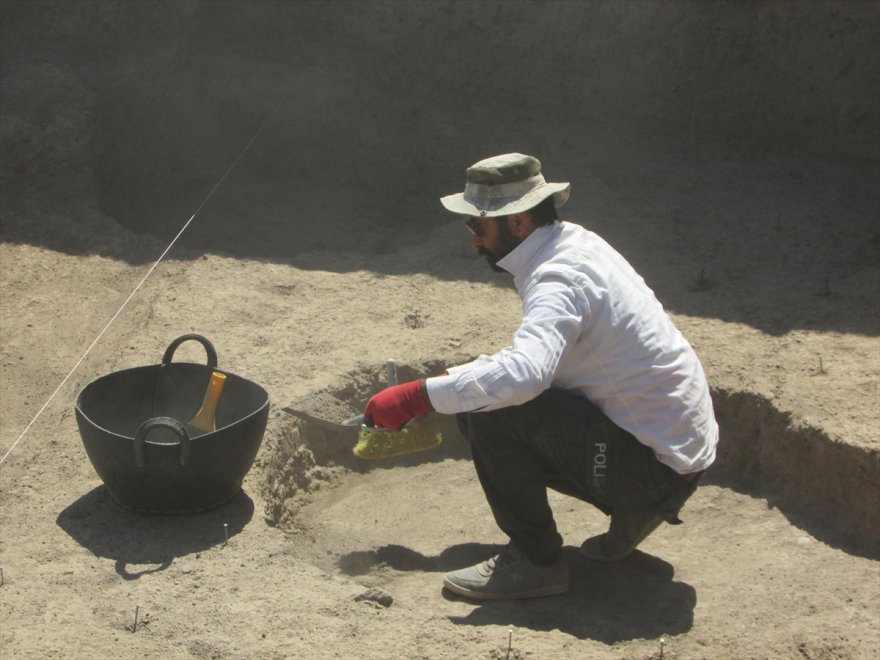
(517, 261)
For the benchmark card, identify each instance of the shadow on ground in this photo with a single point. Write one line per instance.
(791, 466)
(122, 120)
(635, 599)
(142, 543)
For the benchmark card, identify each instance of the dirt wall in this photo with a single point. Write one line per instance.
(380, 104)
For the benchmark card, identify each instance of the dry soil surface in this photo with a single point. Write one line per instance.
(308, 143)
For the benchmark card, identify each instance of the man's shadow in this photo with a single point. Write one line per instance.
(637, 598)
(142, 543)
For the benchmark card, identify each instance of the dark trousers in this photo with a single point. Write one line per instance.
(564, 442)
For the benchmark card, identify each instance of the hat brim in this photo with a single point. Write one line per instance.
(458, 204)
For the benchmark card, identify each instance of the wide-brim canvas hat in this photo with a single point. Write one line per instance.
(504, 185)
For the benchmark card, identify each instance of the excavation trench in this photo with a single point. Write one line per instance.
(366, 516)
(324, 243)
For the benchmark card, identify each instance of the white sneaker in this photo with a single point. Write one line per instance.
(509, 574)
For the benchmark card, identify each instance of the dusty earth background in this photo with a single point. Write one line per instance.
(729, 150)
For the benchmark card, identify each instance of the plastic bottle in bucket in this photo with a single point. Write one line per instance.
(205, 419)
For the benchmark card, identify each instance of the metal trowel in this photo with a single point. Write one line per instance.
(326, 411)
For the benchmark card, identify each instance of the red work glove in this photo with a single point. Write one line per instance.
(396, 405)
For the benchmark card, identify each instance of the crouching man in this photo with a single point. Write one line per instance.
(599, 396)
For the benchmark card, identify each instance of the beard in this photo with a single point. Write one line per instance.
(505, 244)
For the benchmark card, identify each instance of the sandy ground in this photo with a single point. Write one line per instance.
(324, 251)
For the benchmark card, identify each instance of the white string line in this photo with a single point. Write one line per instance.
(144, 279)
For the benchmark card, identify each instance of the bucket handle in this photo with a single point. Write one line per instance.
(209, 349)
(166, 422)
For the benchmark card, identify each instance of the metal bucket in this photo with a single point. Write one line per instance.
(132, 426)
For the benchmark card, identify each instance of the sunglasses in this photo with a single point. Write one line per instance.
(477, 226)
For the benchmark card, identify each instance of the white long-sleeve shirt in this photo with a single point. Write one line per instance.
(591, 325)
